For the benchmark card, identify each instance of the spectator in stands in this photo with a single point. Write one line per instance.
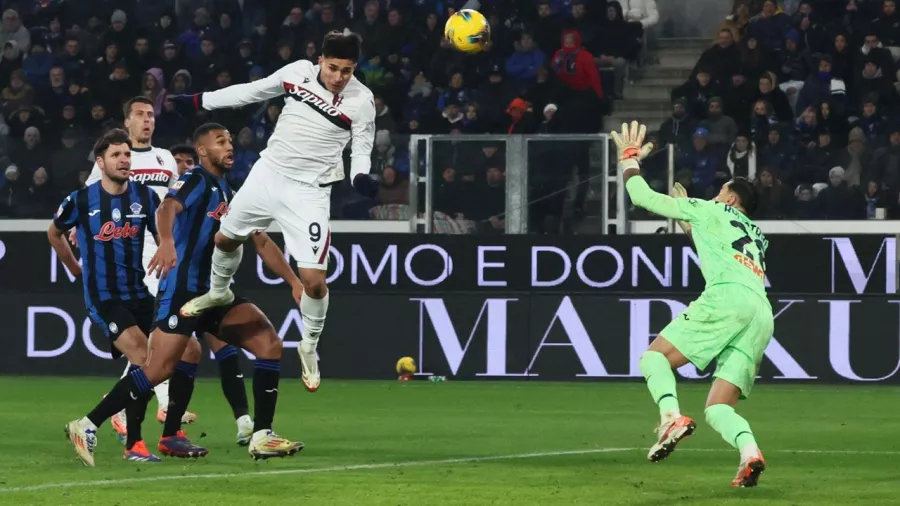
(702, 161)
(843, 62)
(821, 87)
(615, 44)
(755, 59)
(872, 122)
(697, 92)
(723, 59)
(796, 66)
(779, 154)
(522, 66)
(872, 82)
(522, 118)
(886, 164)
(774, 200)
(392, 189)
(773, 94)
(11, 189)
(812, 32)
(761, 121)
(12, 30)
(875, 201)
(740, 160)
(856, 159)
(738, 98)
(736, 23)
(887, 27)
(873, 50)
(40, 198)
(839, 201)
(805, 206)
(769, 26)
(641, 11)
(575, 68)
(721, 128)
(679, 128)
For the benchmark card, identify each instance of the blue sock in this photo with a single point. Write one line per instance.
(265, 392)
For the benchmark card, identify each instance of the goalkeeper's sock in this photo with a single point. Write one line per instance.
(734, 429)
(661, 383)
(224, 265)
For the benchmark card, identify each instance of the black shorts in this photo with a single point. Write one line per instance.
(115, 316)
(170, 321)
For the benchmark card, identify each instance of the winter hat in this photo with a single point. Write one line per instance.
(856, 134)
(118, 16)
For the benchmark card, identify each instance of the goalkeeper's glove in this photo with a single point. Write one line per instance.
(189, 104)
(365, 185)
(678, 191)
(630, 145)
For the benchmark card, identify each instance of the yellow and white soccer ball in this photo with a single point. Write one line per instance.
(468, 30)
(406, 366)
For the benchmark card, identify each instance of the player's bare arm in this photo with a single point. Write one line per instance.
(273, 257)
(63, 250)
(166, 256)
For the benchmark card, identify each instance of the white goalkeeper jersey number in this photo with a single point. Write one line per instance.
(315, 125)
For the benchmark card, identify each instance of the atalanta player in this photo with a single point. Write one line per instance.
(111, 217)
(187, 221)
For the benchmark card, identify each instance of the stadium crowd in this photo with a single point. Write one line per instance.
(802, 97)
(67, 67)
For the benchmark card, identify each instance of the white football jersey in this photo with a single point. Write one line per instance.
(154, 167)
(315, 125)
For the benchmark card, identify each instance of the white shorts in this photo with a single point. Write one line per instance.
(149, 250)
(301, 210)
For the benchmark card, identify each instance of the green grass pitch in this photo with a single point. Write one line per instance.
(461, 443)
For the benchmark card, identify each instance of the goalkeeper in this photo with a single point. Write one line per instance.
(731, 322)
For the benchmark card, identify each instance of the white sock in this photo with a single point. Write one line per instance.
(86, 422)
(224, 265)
(670, 415)
(748, 451)
(313, 312)
(162, 394)
(244, 420)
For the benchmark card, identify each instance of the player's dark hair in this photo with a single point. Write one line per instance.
(111, 138)
(183, 149)
(746, 193)
(126, 108)
(204, 129)
(343, 47)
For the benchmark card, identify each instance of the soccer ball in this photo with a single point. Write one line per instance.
(406, 366)
(468, 31)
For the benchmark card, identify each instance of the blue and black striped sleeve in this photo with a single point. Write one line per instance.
(66, 216)
(189, 187)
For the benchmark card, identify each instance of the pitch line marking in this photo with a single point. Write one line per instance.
(397, 465)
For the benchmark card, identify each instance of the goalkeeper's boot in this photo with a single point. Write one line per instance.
(83, 436)
(180, 446)
(119, 424)
(669, 433)
(265, 444)
(245, 430)
(206, 301)
(140, 453)
(749, 471)
(187, 418)
(309, 363)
